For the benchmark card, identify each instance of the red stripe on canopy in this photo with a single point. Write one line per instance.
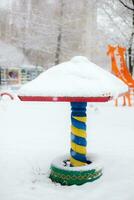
(65, 99)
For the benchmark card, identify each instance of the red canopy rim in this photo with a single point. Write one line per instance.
(65, 99)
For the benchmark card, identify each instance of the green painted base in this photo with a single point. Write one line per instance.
(66, 175)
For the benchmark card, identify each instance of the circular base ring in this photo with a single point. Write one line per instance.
(62, 173)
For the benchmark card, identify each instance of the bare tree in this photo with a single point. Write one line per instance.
(129, 4)
(48, 31)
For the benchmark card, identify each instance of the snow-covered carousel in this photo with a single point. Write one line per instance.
(77, 81)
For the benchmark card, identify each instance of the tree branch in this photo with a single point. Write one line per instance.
(115, 24)
(132, 9)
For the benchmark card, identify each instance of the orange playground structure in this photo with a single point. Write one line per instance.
(117, 55)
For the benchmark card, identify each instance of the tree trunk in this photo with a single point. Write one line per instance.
(59, 37)
(58, 48)
(130, 49)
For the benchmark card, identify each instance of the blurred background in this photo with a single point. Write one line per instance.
(37, 34)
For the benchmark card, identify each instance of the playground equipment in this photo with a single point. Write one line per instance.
(123, 67)
(78, 167)
(6, 94)
(14, 76)
(121, 72)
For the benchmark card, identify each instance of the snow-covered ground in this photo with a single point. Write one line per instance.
(33, 134)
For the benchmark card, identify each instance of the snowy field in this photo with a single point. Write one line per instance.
(33, 134)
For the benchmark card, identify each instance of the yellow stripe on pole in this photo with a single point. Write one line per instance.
(81, 119)
(78, 149)
(78, 132)
(76, 163)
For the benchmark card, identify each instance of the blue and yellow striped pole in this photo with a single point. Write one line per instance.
(78, 134)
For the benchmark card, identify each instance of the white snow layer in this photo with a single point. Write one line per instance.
(34, 134)
(76, 78)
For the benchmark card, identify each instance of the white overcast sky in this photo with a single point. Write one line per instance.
(5, 3)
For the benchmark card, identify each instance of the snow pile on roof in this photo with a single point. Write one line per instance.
(77, 78)
(10, 56)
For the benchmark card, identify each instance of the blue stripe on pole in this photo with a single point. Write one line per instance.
(78, 124)
(78, 140)
(78, 156)
(78, 114)
(79, 109)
